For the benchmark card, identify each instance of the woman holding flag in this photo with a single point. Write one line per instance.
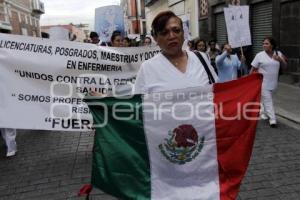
(163, 152)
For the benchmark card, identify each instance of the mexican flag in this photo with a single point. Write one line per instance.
(186, 144)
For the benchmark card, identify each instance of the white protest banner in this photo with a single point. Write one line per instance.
(186, 26)
(42, 82)
(107, 20)
(59, 33)
(237, 24)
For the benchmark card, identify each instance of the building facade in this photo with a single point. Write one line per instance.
(76, 32)
(277, 18)
(21, 17)
(187, 10)
(134, 16)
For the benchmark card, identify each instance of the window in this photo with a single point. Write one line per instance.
(9, 11)
(24, 31)
(19, 17)
(26, 19)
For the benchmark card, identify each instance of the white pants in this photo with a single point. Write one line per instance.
(9, 136)
(268, 108)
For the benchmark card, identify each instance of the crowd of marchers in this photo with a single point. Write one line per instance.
(201, 63)
(117, 40)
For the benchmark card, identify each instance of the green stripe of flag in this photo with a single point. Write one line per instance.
(120, 158)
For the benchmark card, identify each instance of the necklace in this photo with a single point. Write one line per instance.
(270, 53)
(175, 61)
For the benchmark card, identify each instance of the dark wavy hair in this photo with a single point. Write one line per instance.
(147, 37)
(272, 42)
(223, 45)
(94, 34)
(198, 41)
(114, 35)
(160, 21)
(212, 41)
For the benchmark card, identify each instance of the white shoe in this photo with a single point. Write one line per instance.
(11, 153)
(272, 121)
(264, 117)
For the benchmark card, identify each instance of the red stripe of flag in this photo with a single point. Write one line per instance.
(235, 137)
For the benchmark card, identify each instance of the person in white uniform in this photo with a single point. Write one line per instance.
(173, 68)
(9, 136)
(268, 63)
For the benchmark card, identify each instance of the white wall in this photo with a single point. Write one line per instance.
(190, 8)
(153, 10)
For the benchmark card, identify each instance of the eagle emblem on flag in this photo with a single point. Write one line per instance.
(183, 145)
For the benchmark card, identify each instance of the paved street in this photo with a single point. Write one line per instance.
(53, 52)
(54, 165)
(286, 100)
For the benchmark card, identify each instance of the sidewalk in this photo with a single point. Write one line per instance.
(49, 165)
(53, 165)
(287, 102)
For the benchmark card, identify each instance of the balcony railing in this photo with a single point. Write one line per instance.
(5, 25)
(38, 7)
(4, 18)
